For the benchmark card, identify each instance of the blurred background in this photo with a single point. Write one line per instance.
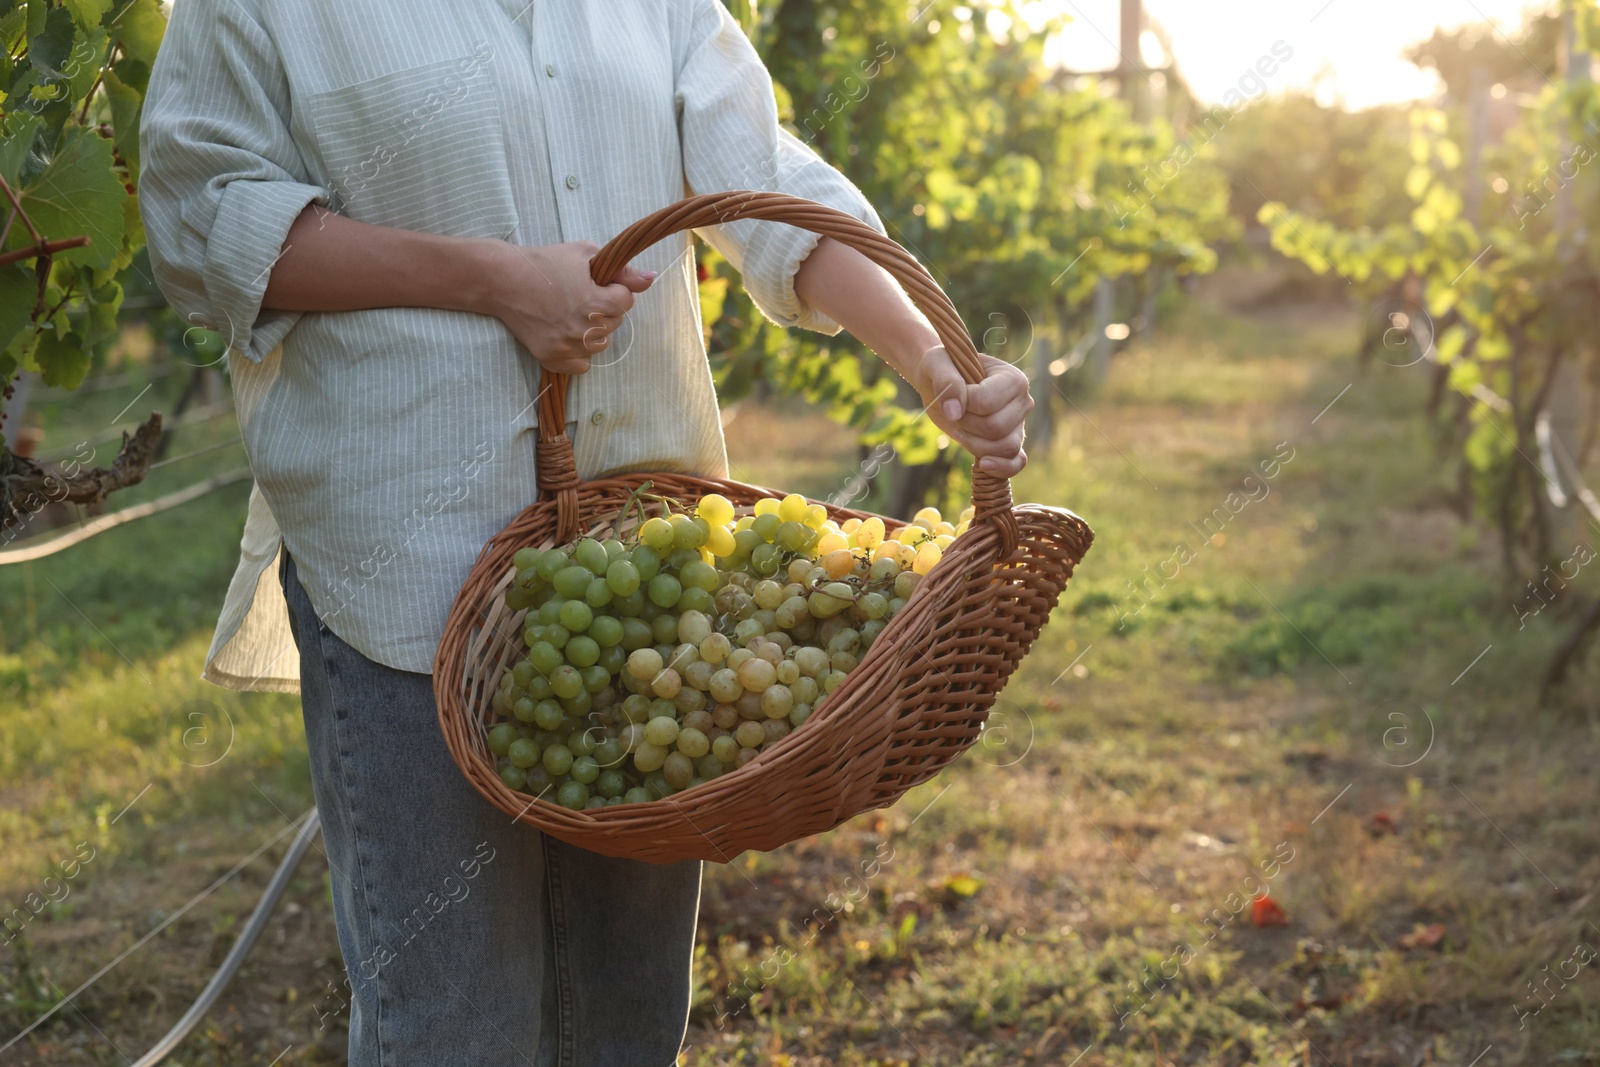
(1301, 770)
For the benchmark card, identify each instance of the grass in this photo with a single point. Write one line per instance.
(1325, 695)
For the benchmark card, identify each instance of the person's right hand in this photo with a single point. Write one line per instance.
(547, 300)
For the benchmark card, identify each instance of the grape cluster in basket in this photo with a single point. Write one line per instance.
(660, 661)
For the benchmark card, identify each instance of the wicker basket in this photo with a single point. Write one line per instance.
(921, 692)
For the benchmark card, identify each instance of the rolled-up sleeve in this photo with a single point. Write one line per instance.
(728, 126)
(222, 178)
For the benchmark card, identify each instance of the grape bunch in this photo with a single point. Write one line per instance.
(659, 662)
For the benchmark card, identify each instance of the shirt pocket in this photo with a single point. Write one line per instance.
(422, 148)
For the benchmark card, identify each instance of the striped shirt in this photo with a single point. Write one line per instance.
(387, 446)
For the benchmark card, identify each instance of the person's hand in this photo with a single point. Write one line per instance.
(547, 300)
(986, 419)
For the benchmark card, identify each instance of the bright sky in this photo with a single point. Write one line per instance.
(1349, 49)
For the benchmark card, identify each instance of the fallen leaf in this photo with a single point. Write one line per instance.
(1422, 936)
(1382, 823)
(963, 886)
(1264, 911)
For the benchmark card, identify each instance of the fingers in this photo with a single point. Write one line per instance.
(633, 279)
(1006, 468)
(1002, 384)
(945, 392)
(614, 301)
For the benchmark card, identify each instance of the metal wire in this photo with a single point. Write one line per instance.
(196, 452)
(310, 824)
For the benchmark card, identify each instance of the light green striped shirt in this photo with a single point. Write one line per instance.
(389, 445)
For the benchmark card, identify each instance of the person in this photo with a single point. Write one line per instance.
(387, 212)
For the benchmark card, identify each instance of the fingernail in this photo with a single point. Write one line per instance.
(952, 408)
(650, 275)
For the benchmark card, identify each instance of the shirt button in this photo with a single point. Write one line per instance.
(549, 70)
(572, 181)
(598, 417)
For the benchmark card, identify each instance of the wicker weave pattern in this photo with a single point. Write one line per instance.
(919, 696)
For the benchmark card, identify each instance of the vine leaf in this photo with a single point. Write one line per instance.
(87, 12)
(77, 193)
(17, 293)
(63, 359)
(143, 26)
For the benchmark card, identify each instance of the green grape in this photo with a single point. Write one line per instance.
(905, 582)
(725, 686)
(788, 672)
(697, 675)
(556, 636)
(725, 748)
(518, 598)
(745, 542)
(572, 582)
(514, 777)
(667, 683)
(595, 803)
(791, 611)
(637, 795)
(645, 663)
(622, 576)
(522, 673)
(657, 785)
(845, 640)
(523, 708)
(657, 533)
(844, 662)
(612, 659)
(695, 600)
(583, 742)
(693, 627)
(606, 630)
(794, 536)
(646, 560)
(615, 549)
(649, 757)
(776, 729)
(708, 767)
(539, 688)
(799, 714)
(767, 594)
(609, 753)
(748, 630)
(766, 526)
(873, 606)
(598, 595)
(585, 769)
(698, 574)
(661, 730)
(523, 752)
(870, 631)
(690, 533)
(805, 690)
(766, 559)
(777, 701)
(566, 681)
(532, 630)
(595, 678)
(631, 605)
(665, 628)
(551, 563)
(750, 734)
(636, 634)
(582, 651)
(576, 616)
(756, 674)
(526, 558)
(591, 554)
(677, 769)
(832, 680)
(501, 734)
(547, 715)
(550, 610)
(610, 783)
(539, 780)
(883, 570)
(572, 795)
(692, 743)
(557, 759)
(578, 705)
(715, 648)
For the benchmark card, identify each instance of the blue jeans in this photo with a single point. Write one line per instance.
(469, 939)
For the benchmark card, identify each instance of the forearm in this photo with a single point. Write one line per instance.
(865, 299)
(332, 263)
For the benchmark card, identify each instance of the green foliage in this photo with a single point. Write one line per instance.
(73, 74)
(1016, 190)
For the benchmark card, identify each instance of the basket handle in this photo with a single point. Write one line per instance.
(557, 472)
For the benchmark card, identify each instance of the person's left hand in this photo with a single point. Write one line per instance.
(987, 419)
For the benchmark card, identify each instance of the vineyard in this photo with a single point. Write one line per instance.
(1300, 770)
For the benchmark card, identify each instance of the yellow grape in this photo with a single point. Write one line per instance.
(929, 514)
(792, 508)
(870, 533)
(839, 563)
(887, 550)
(767, 505)
(944, 541)
(911, 535)
(907, 554)
(850, 525)
(720, 540)
(963, 526)
(927, 556)
(831, 542)
(816, 516)
(940, 528)
(744, 523)
(716, 509)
